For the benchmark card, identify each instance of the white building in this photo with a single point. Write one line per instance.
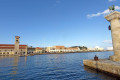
(109, 48)
(97, 48)
(58, 49)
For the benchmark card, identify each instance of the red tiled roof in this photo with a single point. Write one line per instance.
(72, 48)
(6, 44)
(59, 47)
(22, 47)
(11, 46)
(6, 47)
(39, 48)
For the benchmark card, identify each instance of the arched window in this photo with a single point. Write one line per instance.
(7, 52)
(15, 52)
(23, 52)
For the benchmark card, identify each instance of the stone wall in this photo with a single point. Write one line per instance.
(104, 65)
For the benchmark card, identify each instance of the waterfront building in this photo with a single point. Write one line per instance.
(55, 49)
(91, 49)
(30, 50)
(13, 49)
(75, 49)
(110, 48)
(38, 50)
(58, 49)
(97, 48)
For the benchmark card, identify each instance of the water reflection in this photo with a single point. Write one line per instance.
(25, 59)
(9, 66)
(15, 65)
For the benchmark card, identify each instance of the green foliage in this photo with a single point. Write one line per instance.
(81, 47)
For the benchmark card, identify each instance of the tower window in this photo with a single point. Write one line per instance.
(16, 40)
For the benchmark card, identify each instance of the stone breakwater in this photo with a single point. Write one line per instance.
(104, 65)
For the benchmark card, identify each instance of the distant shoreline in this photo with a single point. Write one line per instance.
(32, 54)
(72, 52)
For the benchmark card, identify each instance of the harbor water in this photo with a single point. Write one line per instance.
(67, 66)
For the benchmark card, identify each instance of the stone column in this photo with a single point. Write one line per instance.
(114, 19)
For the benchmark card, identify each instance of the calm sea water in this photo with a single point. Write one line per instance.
(51, 67)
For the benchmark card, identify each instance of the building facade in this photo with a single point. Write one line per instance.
(13, 49)
(97, 48)
(38, 50)
(60, 49)
(30, 50)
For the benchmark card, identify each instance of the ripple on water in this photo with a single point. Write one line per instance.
(51, 67)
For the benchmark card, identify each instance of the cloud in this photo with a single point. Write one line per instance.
(111, 0)
(117, 8)
(107, 41)
(58, 1)
(109, 48)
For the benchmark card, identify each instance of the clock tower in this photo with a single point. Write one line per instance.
(16, 47)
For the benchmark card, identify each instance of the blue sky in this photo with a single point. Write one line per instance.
(42, 23)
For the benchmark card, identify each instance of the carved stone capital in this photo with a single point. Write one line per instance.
(113, 15)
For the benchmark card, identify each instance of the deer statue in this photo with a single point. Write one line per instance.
(112, 8)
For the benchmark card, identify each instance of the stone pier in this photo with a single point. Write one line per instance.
(104, 65)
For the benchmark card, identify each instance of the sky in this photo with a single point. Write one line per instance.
(43, 23)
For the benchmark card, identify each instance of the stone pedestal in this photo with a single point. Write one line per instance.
(114, 19)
